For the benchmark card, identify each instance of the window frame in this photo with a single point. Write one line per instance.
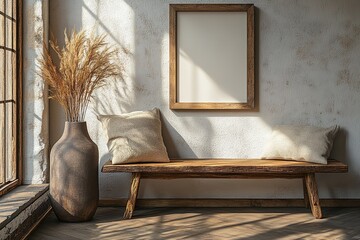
(19, 100)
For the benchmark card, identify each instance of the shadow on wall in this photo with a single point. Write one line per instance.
(339, 152)
(59, 23)
(339, 146)
(114, 92)
(174, 142)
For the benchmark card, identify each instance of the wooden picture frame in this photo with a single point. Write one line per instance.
(212, 56)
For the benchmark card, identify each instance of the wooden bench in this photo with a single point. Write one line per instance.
(229, 168)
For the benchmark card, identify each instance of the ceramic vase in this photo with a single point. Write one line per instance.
(74, 188)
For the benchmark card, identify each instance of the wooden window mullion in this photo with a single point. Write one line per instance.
(13, 83)
(4, 105)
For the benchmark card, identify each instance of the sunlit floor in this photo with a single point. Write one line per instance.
(208, 223)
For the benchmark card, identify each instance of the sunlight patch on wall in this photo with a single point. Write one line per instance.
(35, 94)
(97, 19)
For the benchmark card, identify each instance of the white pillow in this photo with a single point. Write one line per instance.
(135, 137)
(301, 143)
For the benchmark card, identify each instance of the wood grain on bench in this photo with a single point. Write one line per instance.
(229, 168)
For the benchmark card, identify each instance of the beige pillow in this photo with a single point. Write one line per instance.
(301, 143)
(135, 137)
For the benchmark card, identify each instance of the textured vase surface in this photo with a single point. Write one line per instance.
(74, 186)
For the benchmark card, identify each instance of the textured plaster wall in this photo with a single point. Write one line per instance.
(307, 57)
(35, 98)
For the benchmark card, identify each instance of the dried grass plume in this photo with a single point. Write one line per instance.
(85, 64)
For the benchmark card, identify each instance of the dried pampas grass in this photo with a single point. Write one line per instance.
(85, 63)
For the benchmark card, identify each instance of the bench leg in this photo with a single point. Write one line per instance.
(306, 195)
(313, 195)
(134, 188)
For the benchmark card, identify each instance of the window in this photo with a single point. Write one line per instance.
(10, 94)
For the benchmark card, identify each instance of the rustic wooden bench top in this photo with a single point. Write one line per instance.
(229, 168)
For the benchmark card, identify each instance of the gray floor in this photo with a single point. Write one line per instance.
(208, 223)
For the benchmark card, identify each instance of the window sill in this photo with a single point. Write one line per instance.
(8, 187)
(21, 209)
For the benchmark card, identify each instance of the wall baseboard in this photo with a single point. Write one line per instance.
(228, 202)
